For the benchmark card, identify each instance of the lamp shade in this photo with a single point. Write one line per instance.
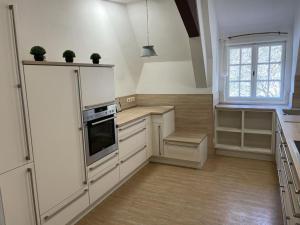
(148, 51)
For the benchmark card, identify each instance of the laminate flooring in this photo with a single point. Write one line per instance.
(227, 191)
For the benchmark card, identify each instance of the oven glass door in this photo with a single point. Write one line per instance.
(101, 138)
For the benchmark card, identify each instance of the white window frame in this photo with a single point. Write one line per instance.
(253, 99)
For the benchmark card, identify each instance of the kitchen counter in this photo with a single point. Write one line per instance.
(129, 115)
(291, 129)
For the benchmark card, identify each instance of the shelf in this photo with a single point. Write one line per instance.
(229, 129)
(228, 138)
(257, 131)
(229, 119)
(257, 141)
(228, 147)
(244, 149)
(258, 120)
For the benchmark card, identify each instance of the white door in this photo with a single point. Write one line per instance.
(97, 85)
(12, 136)
(55, 121)
(16, 197)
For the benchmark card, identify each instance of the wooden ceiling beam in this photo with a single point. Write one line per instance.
(189, 15)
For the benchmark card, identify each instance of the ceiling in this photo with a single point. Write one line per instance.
(124, 1)
(244, 16)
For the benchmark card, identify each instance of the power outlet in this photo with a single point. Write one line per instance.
(130, 99)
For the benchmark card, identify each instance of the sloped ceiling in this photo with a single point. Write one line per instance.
(246, 16)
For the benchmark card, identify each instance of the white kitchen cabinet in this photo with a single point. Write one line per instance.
(55, 122)
(132, 162)
(17, 197)
(162, 126)
(12, 130)
(103, 182)
(149, 136)
(97, 85)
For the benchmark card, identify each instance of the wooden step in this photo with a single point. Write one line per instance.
(186, 137)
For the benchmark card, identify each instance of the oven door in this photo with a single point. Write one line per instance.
(101, 138)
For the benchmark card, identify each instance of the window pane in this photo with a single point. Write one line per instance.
(262, 71)
(245, 89)
(234, 72)
(263, 54)
(246, 55)
(246, 72)
(274, 89)
(275, 71)
(276, 52)
(235, 56)
(234, 89)
(261, 89)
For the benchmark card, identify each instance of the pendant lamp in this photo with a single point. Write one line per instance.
(148, 50)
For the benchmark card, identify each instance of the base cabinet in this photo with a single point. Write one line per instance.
(103, 182)
(17, 197)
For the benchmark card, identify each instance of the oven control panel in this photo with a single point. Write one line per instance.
(99, 112)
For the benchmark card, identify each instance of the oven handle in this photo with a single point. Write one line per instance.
(102, 121)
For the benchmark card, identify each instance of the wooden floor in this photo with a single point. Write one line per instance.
(228, 191)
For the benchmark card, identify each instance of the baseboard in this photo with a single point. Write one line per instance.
(101, 199)
(175, 162)
(245, 155)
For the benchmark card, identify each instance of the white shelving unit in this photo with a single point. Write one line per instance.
(244, 130)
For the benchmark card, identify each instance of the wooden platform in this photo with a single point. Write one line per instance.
(228, 191)
(186, 137)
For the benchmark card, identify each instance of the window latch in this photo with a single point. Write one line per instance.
(253, 73)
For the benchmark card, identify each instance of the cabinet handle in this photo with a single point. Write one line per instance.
(102, 121)
(2, 215)
(181, 144)
(289, 163)
(103, 175)
(46, 218)
(19, 86)
(159, 131)
(124, 139)
(122, 161)
(81, 121)
(131, 125)
(29, 170)
(110, 158)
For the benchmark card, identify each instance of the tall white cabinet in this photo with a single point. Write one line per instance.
(55, 122)
(14, 151)
(17, 198)
(17, 185)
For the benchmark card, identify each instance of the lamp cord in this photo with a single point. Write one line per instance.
(147, 13)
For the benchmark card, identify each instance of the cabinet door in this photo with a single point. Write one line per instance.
(149, 136)
(16, 197)
(97, 85)
(12, 137)
(55, 121)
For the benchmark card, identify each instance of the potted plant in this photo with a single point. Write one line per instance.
(69, 56)
(38, 53)
(95, 57)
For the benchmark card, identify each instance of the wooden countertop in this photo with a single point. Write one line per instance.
(250, 107)
(136, 113)
(291, 129)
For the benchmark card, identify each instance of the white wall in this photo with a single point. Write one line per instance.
(296, 50)
(85, 26)
(174, 77)
(172, 70)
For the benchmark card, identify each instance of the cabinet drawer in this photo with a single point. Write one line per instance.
(68, 210)
(101, 183)
(132, 143)
(286, 211)
(97, 167)
(182, 151)
(132, 162)
(131, 128)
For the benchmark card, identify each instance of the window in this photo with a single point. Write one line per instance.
(255, 72)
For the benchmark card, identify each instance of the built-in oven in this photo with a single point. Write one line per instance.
(100, 132)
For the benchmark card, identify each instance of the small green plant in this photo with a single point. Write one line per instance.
(38, 52)
(69, 56)
(95, 57)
